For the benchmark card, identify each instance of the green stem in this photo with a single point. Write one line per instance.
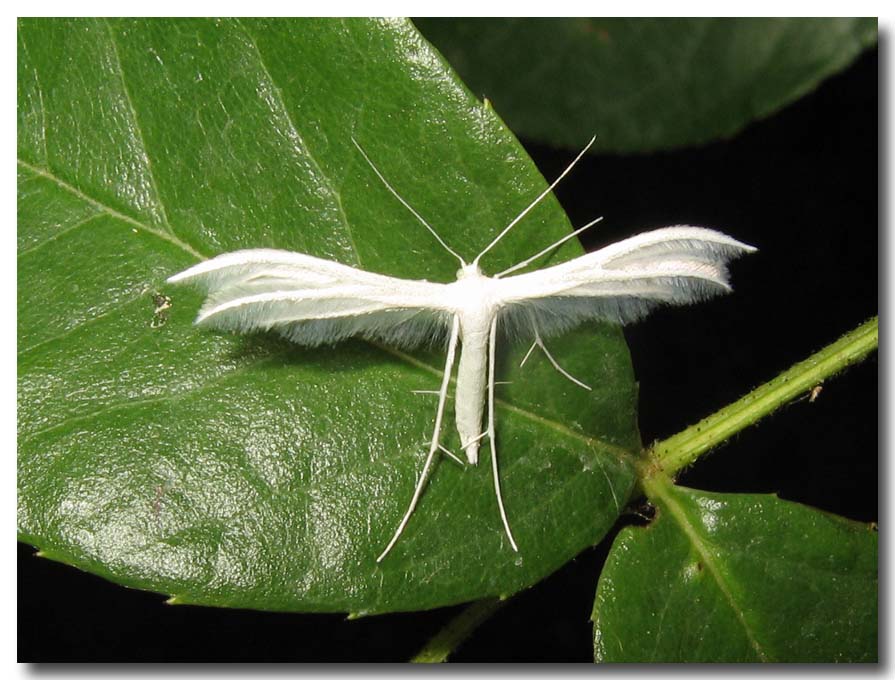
(679, 451)
(456, 631)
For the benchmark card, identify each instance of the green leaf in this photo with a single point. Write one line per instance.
(644, 84)
(738, 577)
(249, 472)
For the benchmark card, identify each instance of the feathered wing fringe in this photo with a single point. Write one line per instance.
(312, 301)
(622, 282)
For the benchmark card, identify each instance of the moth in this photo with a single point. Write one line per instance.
(314, 301)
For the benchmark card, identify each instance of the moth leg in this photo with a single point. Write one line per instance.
(540, 343)
(434, 446)
(479, 437)
(451, 455)
(559, 368)
(528, 353)
(503, 513)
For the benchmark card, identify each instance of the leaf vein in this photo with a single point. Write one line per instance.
(139, 130)
(137, 403)
(79, 326)
(170, 237)
(618, 451)
(660, 489)
(57, 235)
(278, 93)
(537, 507)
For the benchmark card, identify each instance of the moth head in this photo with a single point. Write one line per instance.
(469, 271)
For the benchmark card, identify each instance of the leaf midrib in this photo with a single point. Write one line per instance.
(659, 490)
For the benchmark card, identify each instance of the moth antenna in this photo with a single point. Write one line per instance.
(534, 202)
(406, 204)
(546, 250)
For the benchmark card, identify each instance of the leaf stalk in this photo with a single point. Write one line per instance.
(457, 631)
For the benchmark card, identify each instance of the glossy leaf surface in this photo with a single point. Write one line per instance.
(738, 578)
(244, 471)
(644, 84)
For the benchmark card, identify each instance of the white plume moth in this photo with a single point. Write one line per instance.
(313, 301)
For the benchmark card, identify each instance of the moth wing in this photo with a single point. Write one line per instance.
(623, 281)
(313, 301)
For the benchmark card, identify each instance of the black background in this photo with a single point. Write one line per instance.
(802, 187)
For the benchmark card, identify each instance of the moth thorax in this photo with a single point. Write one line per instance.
(469, 271)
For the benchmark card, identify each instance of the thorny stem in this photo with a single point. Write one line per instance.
(679, 451)
(668, 457)
(456, 631)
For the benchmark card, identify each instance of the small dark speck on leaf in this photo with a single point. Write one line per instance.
(160, 313)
